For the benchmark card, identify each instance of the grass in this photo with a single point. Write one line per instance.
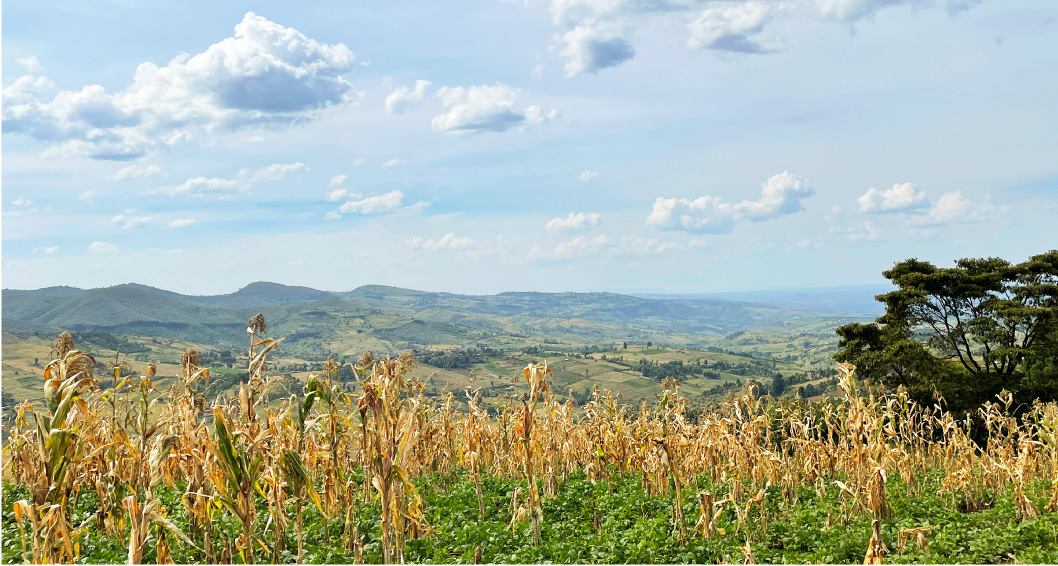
(618, 522)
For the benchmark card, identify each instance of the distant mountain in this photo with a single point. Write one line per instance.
(59, 291)
(261, 294)
(416, 317)
(682, 316)
(849, 300)
(108, 307)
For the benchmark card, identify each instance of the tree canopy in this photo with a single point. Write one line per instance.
(966, 332)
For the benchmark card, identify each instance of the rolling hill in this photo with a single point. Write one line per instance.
(395, 316)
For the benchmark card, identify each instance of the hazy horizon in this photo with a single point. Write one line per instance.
(619, 292)
(556, 146)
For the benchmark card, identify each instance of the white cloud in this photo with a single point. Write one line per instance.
(223, 187)
(953, 208)
(394, 162)
(102, 247)
(266, 75)
(337, 194)
(730, 27)
(46, 250)
(581, 246)
(22, 202)
(136, 172)
(273, 172)
(587, 176)
(902, 197)
(86, 196)
(31, 64)
(201, 186)
(447, 242)
(359, 161)
(129, 222)
(332, 215)
(338, 180)
(575, 221)
(590, 48)
(485, 108)
(780, 195)
(597, 34)
(405, 99)
(852, 11)
(374, 204)
(181, 222)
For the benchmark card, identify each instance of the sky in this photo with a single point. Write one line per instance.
(565, 145)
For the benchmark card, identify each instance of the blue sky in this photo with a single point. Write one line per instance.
(480, 147)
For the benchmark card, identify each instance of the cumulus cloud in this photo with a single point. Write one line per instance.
(581, 246)
(590, 49)
(22, 202)
(597, 34)
(394, 162)
(86, 196)
(485, 108)
(780, 195)
(136, 172)
(574, 222)
(226, 187)
(730, 28)
(181, 222)
(587, 176)
(447, 242)
(266, 75)
(954, 208)
(46, 250)
(102, 248)
(374, 204)
(405, 99)
(358, 161)
(338, 180)
(901, 198)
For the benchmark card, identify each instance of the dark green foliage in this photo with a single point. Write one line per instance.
(659, 371)
(966, 332)
(778, 385)
(452, 359)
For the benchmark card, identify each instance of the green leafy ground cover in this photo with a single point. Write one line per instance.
(618, 522)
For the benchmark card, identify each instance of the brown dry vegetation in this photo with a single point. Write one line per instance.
(240, 456)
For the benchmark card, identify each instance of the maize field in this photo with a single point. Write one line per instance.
(372, 471)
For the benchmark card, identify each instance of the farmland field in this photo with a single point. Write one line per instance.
(378, 471)
(504, 445)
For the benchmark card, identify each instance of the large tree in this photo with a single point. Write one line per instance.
(967, 332)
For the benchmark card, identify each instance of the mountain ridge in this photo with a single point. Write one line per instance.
(134, 308)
